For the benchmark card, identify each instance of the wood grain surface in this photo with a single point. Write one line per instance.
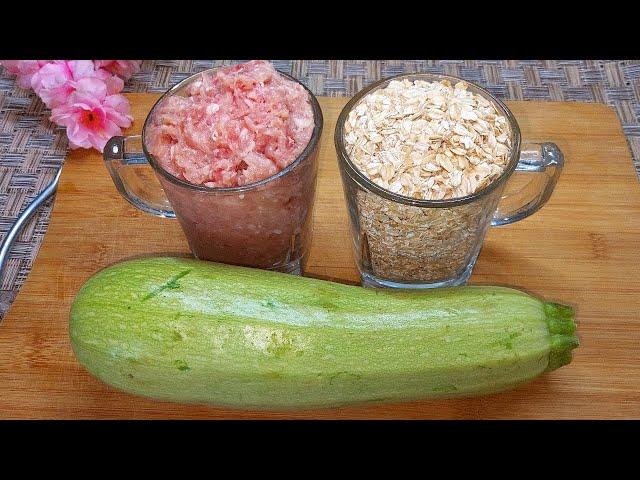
(582, 249)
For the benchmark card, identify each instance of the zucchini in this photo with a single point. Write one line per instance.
(186, 330)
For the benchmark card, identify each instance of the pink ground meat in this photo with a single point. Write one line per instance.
(235, 126)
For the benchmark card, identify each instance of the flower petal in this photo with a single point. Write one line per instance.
(93, 86)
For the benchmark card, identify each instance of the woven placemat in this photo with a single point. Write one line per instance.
(32, 148)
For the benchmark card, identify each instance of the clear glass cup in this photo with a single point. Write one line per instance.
(266, 224)
(405, 242)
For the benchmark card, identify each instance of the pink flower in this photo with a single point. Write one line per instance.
(53, 83)
(92, 114)
(24, 69)
(123, 68)
(83, 95)
(114, 83)
(57, 80)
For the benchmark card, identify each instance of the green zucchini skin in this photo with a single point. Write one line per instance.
(185, 330)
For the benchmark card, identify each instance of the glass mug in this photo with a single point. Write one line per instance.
(406, 242)
(266, 224)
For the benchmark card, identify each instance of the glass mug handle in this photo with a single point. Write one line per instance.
(543, 162)
(134, 177)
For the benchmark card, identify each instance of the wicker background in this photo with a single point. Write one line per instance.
(32, 148)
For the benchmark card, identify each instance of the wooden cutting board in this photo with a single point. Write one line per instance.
(582, 249)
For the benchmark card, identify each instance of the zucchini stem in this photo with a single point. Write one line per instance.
(562, 327)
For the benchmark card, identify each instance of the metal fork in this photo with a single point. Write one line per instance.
(17, 227)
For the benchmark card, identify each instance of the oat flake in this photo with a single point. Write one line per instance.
(425, 140)
(428, 140)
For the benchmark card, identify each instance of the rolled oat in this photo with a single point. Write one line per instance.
(428, 140)
(433, 141)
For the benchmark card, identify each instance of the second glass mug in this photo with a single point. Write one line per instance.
(406, 242)
(266, 224)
